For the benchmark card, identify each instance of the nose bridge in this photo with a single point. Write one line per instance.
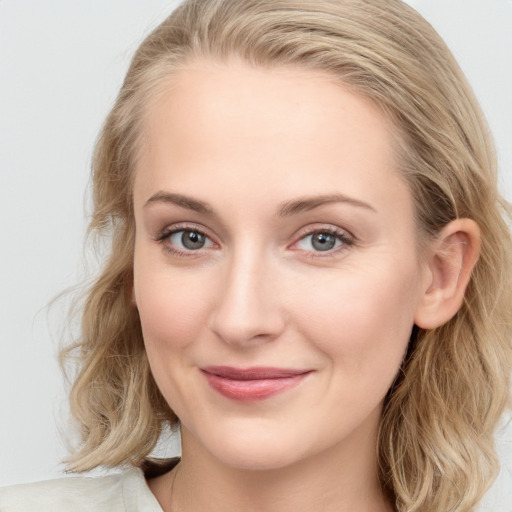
(246, 309)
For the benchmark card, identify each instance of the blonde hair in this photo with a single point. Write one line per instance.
(436, 449)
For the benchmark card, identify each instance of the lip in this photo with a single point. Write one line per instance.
(252, 384)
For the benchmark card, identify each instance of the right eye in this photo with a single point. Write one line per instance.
(188, 240)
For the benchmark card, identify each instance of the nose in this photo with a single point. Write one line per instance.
(247, 309)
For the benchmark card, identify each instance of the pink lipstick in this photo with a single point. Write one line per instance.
(252, 384)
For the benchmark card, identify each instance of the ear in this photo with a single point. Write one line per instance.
(449, 264)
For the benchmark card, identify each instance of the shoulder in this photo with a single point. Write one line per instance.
(499, 496)
(121, 492)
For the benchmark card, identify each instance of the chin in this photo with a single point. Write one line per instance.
(253, 447)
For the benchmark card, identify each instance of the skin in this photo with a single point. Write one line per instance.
(247, 143)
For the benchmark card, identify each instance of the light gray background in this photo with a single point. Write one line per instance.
(61, 64)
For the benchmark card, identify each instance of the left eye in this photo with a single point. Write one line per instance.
(189, 240)
(320, 242)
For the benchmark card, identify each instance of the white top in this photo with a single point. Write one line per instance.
(128, 491)
(121, 492)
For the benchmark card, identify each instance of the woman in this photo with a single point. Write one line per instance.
(309, 271)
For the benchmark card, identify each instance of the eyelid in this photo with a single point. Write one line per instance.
(163, 235)
(180, 226)
(347, 239)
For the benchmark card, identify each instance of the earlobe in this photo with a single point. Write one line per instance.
(453, 256)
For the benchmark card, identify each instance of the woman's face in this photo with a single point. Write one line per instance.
(276, 267)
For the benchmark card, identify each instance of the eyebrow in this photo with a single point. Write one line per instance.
(286, 209)
(180, 200)
(309, 203)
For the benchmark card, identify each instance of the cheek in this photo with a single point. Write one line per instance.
(173, 316)
(171, 306)
(362, 321)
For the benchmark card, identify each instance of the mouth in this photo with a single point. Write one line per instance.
(252, 384)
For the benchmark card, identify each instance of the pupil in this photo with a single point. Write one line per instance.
(192, 240)
(323, 241)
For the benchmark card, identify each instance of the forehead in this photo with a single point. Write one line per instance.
(288, 128)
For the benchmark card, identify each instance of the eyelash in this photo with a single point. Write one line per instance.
(346, 239)
(164, 236)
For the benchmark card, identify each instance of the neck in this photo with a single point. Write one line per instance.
(341, 479)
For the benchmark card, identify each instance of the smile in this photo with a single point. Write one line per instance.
(252, 384)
